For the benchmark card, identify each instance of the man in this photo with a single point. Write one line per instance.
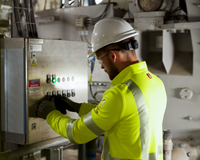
(130, 113)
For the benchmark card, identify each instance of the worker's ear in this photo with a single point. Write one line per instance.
(114, 56)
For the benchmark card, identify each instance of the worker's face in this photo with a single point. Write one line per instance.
(108, 65)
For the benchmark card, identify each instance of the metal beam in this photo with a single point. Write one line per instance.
(186, 25)
(34, 148)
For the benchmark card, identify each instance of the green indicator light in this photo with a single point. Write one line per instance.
(54, 80)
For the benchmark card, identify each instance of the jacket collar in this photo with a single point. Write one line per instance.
(124, 75)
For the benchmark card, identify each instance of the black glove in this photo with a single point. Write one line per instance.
(45, 107)
(63, 103)
(33, 109)
(58, 107)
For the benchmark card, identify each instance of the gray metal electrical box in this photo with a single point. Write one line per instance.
(31, 69)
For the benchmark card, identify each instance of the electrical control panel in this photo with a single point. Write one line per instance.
(32, 69)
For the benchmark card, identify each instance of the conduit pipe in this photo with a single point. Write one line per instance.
(168, 145)
(34, 148)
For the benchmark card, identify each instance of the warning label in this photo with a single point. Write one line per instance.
(33, 62)
(34, 87)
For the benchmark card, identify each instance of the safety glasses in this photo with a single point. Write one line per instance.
(100, 61)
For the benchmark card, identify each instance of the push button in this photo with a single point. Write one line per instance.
(54, 80)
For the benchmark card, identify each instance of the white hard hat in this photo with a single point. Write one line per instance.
(110, 30)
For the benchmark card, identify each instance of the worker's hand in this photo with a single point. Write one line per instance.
(63, 103)
(33, 109)
(59, 105)
(45, 107)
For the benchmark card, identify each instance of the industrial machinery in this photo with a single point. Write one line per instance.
(31, 69)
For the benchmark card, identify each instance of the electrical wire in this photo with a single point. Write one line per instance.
(92, 68)
(172, 12)
(85, 39)
(28, 20)
(90, 79)
(130, 16)
(91, 94)
(81, 38)
(45, 3)
(90, 46)
(164, 9)
(62, 5)
(97, 93)
(129, 13)
(2, 32)
(35, 34)
(16, 7)
(171, 6)
(89, 63)
(95, 20)
(71, 3)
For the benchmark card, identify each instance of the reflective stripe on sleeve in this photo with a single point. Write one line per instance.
(89, 122)
(70, 125)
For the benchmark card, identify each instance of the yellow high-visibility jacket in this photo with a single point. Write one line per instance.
(130, 114)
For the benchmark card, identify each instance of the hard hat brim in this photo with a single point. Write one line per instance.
(91, 55)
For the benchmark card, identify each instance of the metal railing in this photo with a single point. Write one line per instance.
(33, 148)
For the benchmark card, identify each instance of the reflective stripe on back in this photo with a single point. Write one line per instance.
(144, 131)
(143, 115)
(105, 153)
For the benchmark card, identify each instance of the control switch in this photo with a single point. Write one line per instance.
(48, 95)
(53, 93)
(73, 92)
(59, 93)
(48, 78)
(68, 93)
(64, 93)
